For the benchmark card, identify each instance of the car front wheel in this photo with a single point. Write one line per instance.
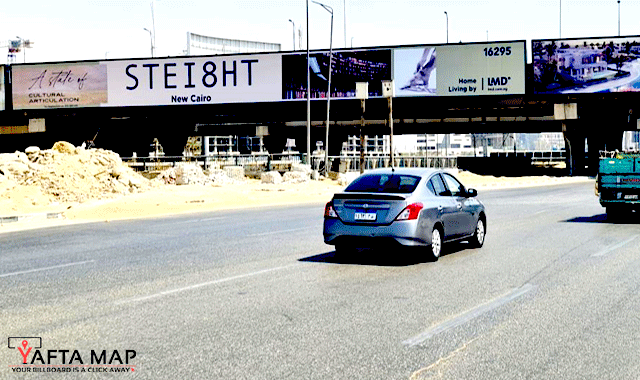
(477, 240)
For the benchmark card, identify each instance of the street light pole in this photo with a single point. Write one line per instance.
(294, 34)
(326, 144)
(446, 14)
(153, 26)
(560, 19)
(345, 22)
(150, 39)
(618, 18)
(308, 161)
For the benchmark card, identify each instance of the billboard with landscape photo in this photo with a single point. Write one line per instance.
(586, 65)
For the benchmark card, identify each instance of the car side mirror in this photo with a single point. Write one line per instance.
(472, 193)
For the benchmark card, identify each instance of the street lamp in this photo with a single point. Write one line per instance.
(326, 145)
(446, 14)
(294, 34)
(150, 39)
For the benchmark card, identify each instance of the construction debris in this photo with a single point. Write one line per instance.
(189, 173)
(65, 173)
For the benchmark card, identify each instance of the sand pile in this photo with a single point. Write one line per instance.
(65, 174)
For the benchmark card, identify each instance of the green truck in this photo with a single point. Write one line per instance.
(618, 182)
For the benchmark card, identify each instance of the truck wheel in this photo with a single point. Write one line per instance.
(614, 213)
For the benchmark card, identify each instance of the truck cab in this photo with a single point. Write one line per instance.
(618, 181)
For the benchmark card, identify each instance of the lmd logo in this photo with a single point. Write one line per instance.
(498, 81)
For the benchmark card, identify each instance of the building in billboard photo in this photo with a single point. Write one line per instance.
(581, 66)
(348, 67)
(587, 65)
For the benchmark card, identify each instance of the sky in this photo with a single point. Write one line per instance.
(71, 30)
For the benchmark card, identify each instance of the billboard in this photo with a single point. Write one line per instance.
(495, 68)
(59, 85)
(196, 80)
(444, 70)
(347, 68)
(586, 65)
(149, 82)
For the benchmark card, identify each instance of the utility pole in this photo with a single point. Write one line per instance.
(388, 92)
(362, 93)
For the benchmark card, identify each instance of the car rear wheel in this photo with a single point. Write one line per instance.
(477, 240)
(341, 249)
(436, 244)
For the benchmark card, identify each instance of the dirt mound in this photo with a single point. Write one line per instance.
(65, 174)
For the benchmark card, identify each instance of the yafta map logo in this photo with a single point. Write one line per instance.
(25, 346)
(37, 360)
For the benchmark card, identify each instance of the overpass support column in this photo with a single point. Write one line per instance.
(574, 146)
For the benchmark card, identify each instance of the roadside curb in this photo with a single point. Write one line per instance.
(30, 217)
(11, 223)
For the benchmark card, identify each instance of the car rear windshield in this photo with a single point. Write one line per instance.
(384, 183)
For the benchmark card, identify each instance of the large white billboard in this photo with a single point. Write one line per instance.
(496, 68)
(196, 80)
(150, 82)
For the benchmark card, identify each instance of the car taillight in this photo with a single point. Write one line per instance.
(329, 211)
(410, 212)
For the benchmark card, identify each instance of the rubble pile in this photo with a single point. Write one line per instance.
(298, 174)
(187, 173)
(66, 173)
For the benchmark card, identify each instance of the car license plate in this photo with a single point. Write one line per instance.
(631, 196)
(366, 216)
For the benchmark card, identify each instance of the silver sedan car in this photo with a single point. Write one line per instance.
(412, 207)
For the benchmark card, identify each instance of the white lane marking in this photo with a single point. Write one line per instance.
(613, 248)
(46, 268)
(203, 284)
(468, 316)
(278, 232)
(199, 220)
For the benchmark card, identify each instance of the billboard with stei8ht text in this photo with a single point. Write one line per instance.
(150, 82)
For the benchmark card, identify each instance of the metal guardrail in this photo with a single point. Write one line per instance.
(534, 155)
(350, 163)
(281, 161)
(165, 162)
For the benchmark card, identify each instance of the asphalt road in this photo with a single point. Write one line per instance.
(255, 294)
